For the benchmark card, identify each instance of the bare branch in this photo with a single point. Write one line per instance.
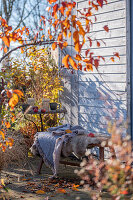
(25, 45)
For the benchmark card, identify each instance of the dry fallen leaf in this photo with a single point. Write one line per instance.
(40, 192)
(61, 190)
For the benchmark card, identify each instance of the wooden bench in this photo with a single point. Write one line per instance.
(90, 146)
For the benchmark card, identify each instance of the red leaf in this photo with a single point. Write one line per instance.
(98, 44)
(112, 58)
(106, 28)
(117, 55)
(96, 63)
(91, 135)
(100, 2)
(9, 94)
(86, 52)
(90, 41)
(80, 66)
(55, 8)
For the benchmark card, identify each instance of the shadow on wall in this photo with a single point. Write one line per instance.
(69, 97)
(93, 103)
(99, 104)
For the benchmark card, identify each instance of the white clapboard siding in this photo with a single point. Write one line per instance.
(94, 98)
(102, 92)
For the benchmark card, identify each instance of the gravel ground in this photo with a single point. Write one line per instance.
(23, 183)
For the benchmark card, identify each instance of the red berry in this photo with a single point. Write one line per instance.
(91, 135)
(35, 109)
(43, 110)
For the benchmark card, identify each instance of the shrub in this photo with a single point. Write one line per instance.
(115, 176)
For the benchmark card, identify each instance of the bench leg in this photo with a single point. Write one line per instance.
(40, 166)
(112, 151)
(101, 153)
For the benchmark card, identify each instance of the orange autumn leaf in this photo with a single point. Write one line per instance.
(5, 50)
(112, 58)
(73, 185)
(65, 32)
(76, 36)
(3, 148)
(65, 44)
(86, 60)
(22, 50)
(78, 57)
(13, 101)
(7, 124)
(89, 67)
(10, 142)
(68, 131)
(77, 47)
(60, 37)
(6, 41)
(40, 192)
(61, 190)
(3, 135)
(74, 189)
(69, 34)
(65, 61)
(81, 30)
(87, 21)
(54, 45)
(50, 37)
(19, 93)
(106, 28)
(13, 119)
(73, 63)
(124, 192)
(52, 1)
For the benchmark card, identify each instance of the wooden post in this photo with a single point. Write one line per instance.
(40, 166)
(101, 153)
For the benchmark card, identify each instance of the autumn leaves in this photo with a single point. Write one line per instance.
(7, 34)
(77, 27)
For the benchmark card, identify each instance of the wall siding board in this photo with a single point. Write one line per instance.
(100, 93)
(99, 96)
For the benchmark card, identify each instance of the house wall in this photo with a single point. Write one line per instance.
(100, 96)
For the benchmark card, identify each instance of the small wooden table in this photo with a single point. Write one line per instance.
(31, 112)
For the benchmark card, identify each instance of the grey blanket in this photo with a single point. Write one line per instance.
(49, 144)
